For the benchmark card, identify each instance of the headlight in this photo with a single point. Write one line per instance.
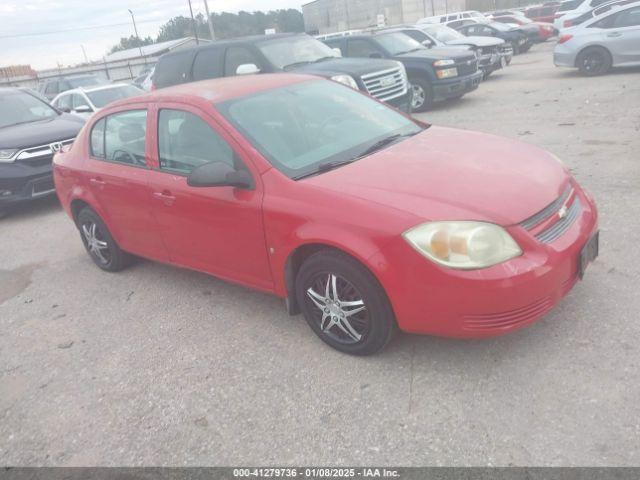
(7, 155)
(345, 80)
(463, 245)
(447, 73)
(443, 63)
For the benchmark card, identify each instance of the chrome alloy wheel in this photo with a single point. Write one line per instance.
(419, 96)
(96, 246)
(341, 312)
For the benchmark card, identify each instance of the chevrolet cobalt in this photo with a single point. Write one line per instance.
(358, 216)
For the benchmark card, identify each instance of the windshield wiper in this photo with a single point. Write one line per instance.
(325, 167)
(380, 144)
(322, 59)
(296, 64)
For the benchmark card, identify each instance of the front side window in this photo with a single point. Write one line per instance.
(120, 138)
(51, 88)
(237, 56)
(289, 52)
(186, 141)
(444, 33)
(302, 126)
(64, 103)
(398, 43)
(78, 100)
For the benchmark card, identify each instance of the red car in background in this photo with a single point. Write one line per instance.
(541, 31)
(360, 217)
(542, 13)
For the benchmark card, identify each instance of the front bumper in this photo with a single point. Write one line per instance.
(456, 87)
(21, 182)
(403, 102)
(429, 299)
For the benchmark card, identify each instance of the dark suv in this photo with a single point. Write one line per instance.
(383, 79)
(31, 131)
(435, 74)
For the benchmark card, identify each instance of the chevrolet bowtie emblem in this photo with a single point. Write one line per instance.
(562, 212)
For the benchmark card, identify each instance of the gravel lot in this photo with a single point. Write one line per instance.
(162, 366)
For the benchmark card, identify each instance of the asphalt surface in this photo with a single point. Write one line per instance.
(162, 366)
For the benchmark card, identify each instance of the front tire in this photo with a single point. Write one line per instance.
(422, 94)
(100, 244)
(594, 61)
(344, 304)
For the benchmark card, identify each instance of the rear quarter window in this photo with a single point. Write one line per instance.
(173, 69)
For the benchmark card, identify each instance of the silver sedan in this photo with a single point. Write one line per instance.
(609, 40)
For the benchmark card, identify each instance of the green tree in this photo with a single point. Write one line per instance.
(131, 42)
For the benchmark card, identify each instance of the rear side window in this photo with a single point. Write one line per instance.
(207, 64)
(97, 139)
(173, 69)
(628, 18)
(186, 141)
(121, 138)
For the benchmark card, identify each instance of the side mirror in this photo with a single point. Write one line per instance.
(247, 69)
(337, 50)
(375, 55)
(219, 174)
(427, 43)
(83, 109)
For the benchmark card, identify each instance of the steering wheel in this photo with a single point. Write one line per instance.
(132, 158)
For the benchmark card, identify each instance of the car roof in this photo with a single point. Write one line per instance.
(95, 88)
(219, 89)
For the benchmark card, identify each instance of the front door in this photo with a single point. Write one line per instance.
(214, 229)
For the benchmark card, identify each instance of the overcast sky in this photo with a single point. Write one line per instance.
(28, 17)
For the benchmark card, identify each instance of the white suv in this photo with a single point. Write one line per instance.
(468, 15)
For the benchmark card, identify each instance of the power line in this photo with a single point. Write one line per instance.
(52, 32)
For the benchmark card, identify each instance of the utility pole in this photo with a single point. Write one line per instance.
(135, 29)
(209, 21)
(193, 23)
(84, 53)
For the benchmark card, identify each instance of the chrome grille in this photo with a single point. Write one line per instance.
(467, 66)
(562, 225)
(547, 211)
(386, 84)
(40, 155)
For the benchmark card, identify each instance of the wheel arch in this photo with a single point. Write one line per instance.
(297, 257)
(587, 47)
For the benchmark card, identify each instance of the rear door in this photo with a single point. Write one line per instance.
(218, 230)
(622, 36)
(117, 176)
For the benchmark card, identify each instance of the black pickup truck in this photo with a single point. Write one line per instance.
(31, 131)
(435, 74)
(385, 80)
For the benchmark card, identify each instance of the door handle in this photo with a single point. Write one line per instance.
(614, 34)
(97, 181)
(165, 196)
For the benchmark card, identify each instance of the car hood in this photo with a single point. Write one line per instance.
(477, 41)
(435, 53)
(342, 65)
(33, 134)
(449, 174)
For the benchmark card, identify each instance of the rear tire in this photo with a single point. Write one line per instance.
(422, 98)
(344, 304)
(594, 61)
(100, 244)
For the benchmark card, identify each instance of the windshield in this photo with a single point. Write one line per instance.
(290, 51)
(443, 33)
(398, 43)
(570, 5)
(501, 26)
(101, 97)
(300, 127)
(18, 107)
(83, 82)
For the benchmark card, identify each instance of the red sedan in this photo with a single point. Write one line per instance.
(543, 30)
(360, 217)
